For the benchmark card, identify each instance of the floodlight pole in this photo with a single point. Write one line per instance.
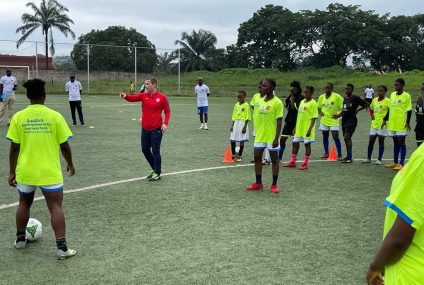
(88, 69)
(179, 72)
(135, 67)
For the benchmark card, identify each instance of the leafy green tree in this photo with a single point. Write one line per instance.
(197, 50)
(266, 39)
(51, 14)
(114, 49)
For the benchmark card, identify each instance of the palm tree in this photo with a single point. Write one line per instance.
(51, 14)
(196, 50)
(165, 63)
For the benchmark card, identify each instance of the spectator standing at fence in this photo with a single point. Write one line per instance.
(8, 84)
(74, 89)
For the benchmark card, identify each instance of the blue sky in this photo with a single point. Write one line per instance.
(164, 21)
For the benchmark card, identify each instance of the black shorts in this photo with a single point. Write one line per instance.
(348, 129)
(288, 129)
(419, 136)
(369, 100)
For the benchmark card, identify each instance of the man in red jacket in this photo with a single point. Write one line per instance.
(152, 125)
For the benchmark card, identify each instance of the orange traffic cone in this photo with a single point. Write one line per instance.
(332, 155)
(228, 158)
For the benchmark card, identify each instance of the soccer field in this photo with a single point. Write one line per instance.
(198, 224)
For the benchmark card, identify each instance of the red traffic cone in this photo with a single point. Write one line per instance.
(228, 158)
(332, 155)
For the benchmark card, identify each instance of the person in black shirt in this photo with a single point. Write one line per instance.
(291, 104)
(349, 121)
(419, 114)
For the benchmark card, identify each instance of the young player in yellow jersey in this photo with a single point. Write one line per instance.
(378, 110)
(37, 133)
(401, 254)
(254, 104)
(398, 123)
(305, 128)
(268, 129)
(329, 104)
(239, 126)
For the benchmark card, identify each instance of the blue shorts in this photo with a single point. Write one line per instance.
(202, 110)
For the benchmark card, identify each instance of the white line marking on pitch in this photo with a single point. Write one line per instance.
(11, 205)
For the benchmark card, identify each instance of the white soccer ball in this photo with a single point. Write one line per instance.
(34, 229)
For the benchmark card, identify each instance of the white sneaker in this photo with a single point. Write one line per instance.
(206, 128)
(20, 244)
(201, 127)
(378, 162)
(65, 254)
(366, 161)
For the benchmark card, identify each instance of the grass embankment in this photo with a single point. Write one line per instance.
(228, 81)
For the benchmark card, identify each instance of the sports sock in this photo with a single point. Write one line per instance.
(349, 155)
(274, 179)
(206, 125)
(233, 148)
(293, 157)
(259, 179)
(338, 147)
(306, 159)
(402, 154)
(396, 151)
(325, 142)
(281, 151)
(61, 244)
(241, 150)
(370, 150)
(380, 151)
(267, 156)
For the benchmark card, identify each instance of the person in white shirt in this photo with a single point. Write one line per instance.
(74, 89)
(8, 85)
(202, 92)
(369, 94)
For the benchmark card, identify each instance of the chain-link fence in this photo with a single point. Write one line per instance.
(123, 65)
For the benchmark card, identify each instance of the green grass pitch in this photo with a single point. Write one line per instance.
(199, 227)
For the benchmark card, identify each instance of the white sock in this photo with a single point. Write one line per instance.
(206, 124)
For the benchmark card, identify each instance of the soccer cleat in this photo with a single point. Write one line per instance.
(290, 164)
(74, 124)
(378, 162)
(252, 161)
(82, 124)
(303, 166)
(155, 177)
(339, 158)
(398, 167)
(390, 165)
(201, 127)
(275, 189)
(65, 254)
(238, 159)
(346, 160)
(150, 175)
(255, 187)
(206, 128)
(366, 161)
(325, 155)
(20, 244)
